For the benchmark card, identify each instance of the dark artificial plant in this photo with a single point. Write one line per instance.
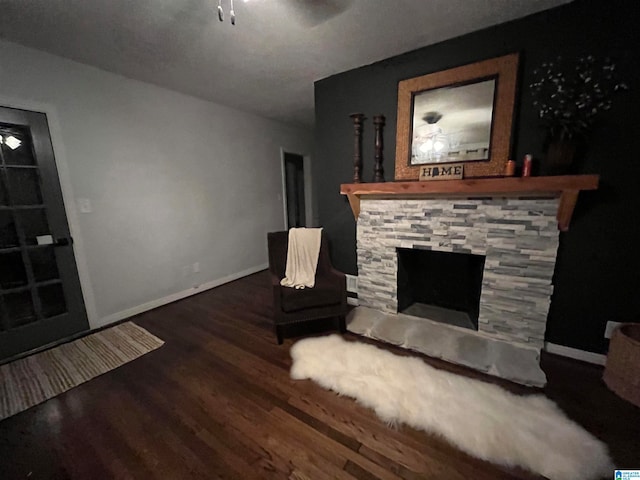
(569, 96)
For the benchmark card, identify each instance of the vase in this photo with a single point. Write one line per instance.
(560, 157)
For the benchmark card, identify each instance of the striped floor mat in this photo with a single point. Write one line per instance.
(34, 379)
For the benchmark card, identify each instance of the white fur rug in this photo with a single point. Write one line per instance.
(482, 419)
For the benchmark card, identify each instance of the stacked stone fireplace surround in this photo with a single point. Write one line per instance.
(519, 238)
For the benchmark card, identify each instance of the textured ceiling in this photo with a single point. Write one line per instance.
(267, 62)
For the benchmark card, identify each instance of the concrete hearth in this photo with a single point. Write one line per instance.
(502, 359)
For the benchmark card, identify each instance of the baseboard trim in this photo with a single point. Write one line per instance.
(590, 357)
(353, 301)
(130, 312)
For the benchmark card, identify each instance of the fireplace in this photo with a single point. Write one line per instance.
(441, 286)
(511, 245)
(513, 223)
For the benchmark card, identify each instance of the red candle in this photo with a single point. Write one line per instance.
(526, 166)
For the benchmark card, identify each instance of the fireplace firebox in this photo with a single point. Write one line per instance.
(441, 286)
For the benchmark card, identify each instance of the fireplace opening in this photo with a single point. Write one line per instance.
(441, 286)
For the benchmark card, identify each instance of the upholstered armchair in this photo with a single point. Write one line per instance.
(326, 300)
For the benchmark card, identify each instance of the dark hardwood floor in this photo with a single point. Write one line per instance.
(216, 401)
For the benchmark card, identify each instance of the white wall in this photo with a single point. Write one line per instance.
(172, 180)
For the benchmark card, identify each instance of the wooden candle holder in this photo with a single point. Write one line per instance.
(378, 173)
(358, 120)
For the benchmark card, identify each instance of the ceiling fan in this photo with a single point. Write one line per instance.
(308, 12)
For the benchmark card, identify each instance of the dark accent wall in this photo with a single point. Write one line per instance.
(597, 276)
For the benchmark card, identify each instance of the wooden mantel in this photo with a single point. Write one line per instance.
(567, 187)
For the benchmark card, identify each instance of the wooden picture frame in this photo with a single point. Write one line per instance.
(504, 70)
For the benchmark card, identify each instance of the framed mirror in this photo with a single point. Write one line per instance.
(457, 116)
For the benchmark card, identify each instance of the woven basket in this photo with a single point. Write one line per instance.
(622, 371)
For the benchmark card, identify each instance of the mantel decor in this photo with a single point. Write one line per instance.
(358, 120)
(569, 96)
(460, 115)
(378, 174)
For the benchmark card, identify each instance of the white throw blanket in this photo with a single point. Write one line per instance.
(479, 418)
(302, 257)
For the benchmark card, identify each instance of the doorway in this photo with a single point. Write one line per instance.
(294, 190)
(40, 296)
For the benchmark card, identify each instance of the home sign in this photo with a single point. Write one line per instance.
(444, 172)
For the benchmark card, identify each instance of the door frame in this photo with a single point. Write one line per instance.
(306, 172)
(68, 198)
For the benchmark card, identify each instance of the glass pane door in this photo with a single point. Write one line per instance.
(40, 296)
(29, 280)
